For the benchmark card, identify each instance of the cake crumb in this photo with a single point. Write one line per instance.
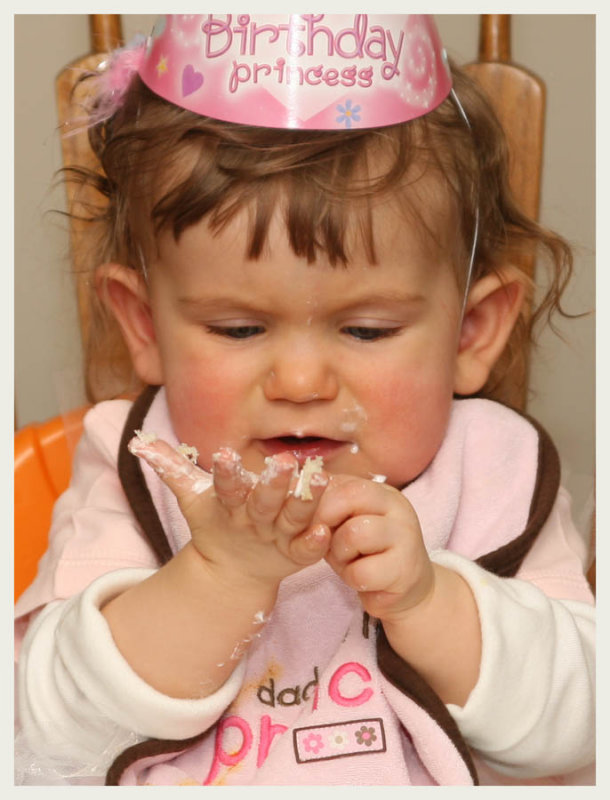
(146, 438)
(188, 452)
(312, 466)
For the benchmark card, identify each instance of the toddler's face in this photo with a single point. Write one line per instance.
(352, 363)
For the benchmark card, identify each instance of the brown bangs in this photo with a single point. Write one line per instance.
(324, 188)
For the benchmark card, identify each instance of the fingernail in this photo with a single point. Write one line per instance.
(226, 457)
(277, 465)
(228, 461)
(317, 534)
(139, 447)
(146, 437)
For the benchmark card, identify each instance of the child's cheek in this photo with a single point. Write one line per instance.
(408, 416)
(206, 408)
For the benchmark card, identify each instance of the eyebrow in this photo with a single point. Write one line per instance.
(379, 298)
(212, 302)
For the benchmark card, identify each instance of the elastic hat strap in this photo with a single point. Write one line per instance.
(475, 236)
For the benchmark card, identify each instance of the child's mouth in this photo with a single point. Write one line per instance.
(302, 446)
(299, 441)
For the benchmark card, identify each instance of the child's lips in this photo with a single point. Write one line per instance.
(302, 446)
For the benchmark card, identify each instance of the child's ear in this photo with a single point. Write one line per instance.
(125, 294)
(493, 305)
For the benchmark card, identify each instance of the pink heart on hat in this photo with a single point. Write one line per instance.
(191, 80)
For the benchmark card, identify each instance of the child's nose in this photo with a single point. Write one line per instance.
(301, 373)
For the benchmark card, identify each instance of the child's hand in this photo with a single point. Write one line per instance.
(243, 525)
(428, 612)
(377, 546)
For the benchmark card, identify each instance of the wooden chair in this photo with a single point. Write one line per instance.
(518, 97)
(105, 35)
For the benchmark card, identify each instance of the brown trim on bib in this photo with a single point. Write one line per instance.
(402, 675)
(506, 560)
(148, 749)
(133, 480)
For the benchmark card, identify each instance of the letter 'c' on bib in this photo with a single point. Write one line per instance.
(302, 71)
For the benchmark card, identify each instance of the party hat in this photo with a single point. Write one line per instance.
(304, 71)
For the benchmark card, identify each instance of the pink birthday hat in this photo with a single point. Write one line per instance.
(307, 71)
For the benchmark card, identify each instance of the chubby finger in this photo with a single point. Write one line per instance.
(265, 500)
(362, 535)
(174, 467)
(232, 482)
(298, 512)
(348, 497)
(311, 545)
(373, 573)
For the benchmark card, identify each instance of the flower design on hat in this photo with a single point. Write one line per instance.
(348, 113)
(365, 736)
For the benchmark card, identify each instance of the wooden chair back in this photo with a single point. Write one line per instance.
(105, 35)
(518, 97)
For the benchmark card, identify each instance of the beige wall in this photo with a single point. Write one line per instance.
(559, 48)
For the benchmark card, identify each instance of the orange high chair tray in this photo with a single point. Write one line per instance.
(43, 457)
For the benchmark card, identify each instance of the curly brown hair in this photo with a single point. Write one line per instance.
(162, 168)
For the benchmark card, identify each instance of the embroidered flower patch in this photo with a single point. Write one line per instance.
(359, 737)
(313, 743)
(366, 736)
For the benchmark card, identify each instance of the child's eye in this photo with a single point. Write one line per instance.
(236, 331)
(365, 333)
